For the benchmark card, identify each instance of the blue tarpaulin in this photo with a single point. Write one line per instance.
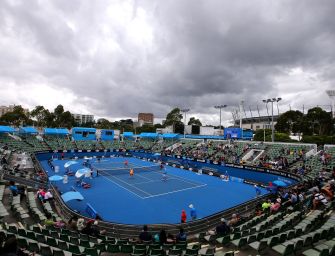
(170, 136)
(128, 134)
(68, 196)
(28, 130)
(6, 129)
(56, 131)
(151, 135)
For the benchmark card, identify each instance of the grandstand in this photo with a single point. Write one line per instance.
(296, 228)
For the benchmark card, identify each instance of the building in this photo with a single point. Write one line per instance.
(145, 118)
(83, 119)
(256, 123)
(10, 108)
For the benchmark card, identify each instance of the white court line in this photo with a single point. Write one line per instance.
(178, 178)
(122, 187)
(174, 191)
(132, 185)
(136, 174)
(147, 182)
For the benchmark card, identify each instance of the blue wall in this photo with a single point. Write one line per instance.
(262, 176)
(82, 133)
(107, 134)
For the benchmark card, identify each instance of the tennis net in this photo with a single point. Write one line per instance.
(125, 170)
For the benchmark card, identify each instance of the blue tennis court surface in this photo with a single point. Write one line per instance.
(146, 197)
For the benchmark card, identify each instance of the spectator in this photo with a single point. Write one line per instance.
(181, 236)
(275, 206)
(48, 196)
(10, 248)
(162, 237)
(222, 229)
(80, 224)
(183, 216)
(145, 236)
(266, 205)
(89, 229)
(293, 198)
(318, 199)
(72, 223)
(234, 220)
(15, 189)
(193, 212)
(49, 220)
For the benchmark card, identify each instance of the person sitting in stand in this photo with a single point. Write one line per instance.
(15, 189)
(48, 196)
(145, 236)
(181, 236)
(40, 194)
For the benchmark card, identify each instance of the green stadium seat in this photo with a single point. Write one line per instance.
(45, 250)
(313, 252)
(283, 249)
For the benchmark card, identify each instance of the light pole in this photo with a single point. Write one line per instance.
(331, 95)
(185, 110)
(272, 124)
(220, 107)
(267, 111)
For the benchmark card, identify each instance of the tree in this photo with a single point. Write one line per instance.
(103, 124)
(194, 121)
(16, 117)
(174, 118)
(65, 119)
(320, 121)
(289, 121)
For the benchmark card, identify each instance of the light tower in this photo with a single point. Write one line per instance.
(185, 110)
(331, 95)
(220, 107)
(272, 123)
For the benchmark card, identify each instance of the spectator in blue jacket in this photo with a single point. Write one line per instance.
(193, 212)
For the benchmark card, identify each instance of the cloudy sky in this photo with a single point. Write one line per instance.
(117, 58)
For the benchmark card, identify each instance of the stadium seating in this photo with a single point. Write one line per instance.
(294, 230)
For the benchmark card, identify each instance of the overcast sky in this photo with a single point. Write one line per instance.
(114, 58)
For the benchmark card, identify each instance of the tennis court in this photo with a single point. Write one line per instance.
(148, 180)
(145, 198)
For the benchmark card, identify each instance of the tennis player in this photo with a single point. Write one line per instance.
(125, 163)
(131, 173)
(164, 177)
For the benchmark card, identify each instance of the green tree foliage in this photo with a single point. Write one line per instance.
(17, 117)
(290, 121)
(174, 118)
(282, 137)
(103, 124)
(194, 121)
(259, 135)
(320, 121)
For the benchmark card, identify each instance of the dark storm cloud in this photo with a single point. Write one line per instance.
(132, 56)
